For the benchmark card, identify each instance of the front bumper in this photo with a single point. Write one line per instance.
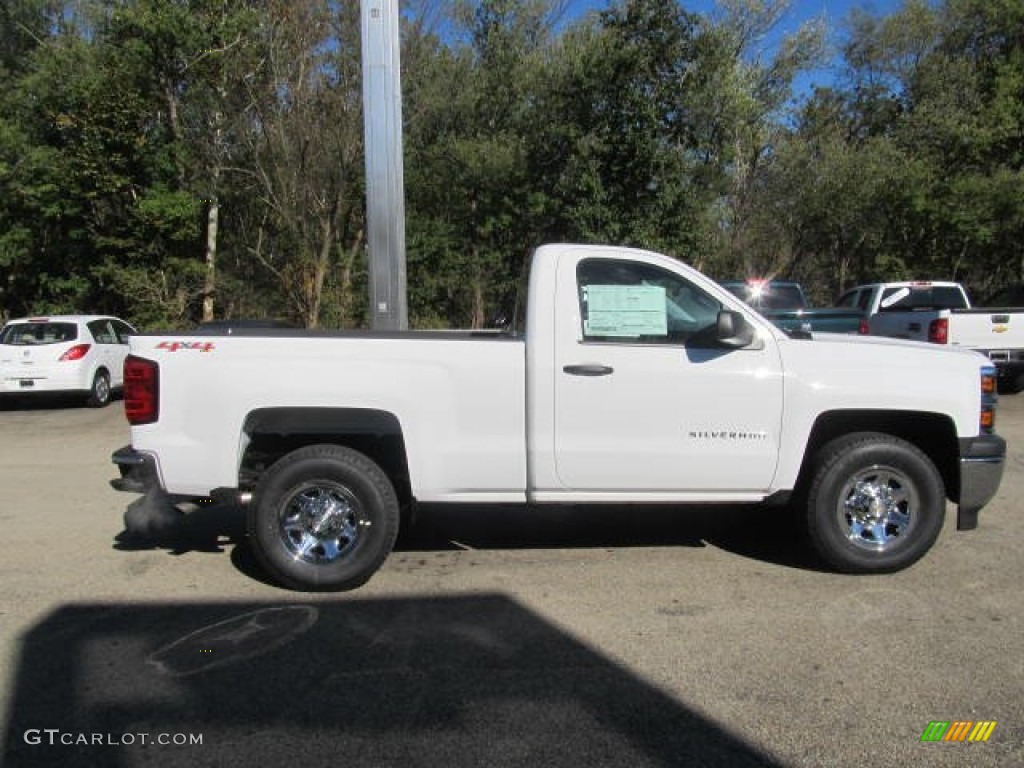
(138, 471)
(982, 460)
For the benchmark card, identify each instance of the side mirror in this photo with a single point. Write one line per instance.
(733, 330)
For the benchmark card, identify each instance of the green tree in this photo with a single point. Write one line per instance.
(471, 197)
(911, 166)
(739, 109)
(305, 149)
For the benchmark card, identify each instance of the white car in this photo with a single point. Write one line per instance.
(64, 353)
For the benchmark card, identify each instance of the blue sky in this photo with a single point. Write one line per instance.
(799, 12)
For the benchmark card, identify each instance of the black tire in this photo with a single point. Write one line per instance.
(99, 392)
(1011, 386)
(323, 518)
(875, 503)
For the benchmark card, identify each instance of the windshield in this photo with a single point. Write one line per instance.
(33, 334)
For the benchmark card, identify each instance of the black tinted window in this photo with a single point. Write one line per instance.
(922, 297)
(43, 332)
(123, 330)
(769, 295)
(848, 299)
(631, 301)
(102, 332)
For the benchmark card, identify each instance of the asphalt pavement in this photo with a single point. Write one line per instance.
(491, 636)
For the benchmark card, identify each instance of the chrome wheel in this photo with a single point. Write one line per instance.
(878, 508)
(324, 518)
(321, 522)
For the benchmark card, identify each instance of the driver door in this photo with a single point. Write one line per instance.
(645, 400)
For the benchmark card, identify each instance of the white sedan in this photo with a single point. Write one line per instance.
(64, 353)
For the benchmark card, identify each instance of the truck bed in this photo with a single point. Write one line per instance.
(466, 389)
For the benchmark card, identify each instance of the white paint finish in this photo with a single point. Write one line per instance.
(667, 417)
(842, 372)
(459, 403)
(41, 363)
(979, 328)
(469, 407)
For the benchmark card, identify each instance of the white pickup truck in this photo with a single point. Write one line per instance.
(635, 379)
(941, 313)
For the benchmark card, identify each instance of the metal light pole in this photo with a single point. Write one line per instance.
(385, 183)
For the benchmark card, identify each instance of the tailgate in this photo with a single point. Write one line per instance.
(902, 325)
(987, 329)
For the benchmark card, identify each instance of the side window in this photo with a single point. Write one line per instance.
(123, 331)
(848, 299)
(627, 301)
(864, 302)
(102, 332)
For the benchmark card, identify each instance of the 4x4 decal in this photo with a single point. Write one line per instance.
(174, 346)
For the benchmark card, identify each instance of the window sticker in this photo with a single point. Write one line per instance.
(625, 310)
(894, 298)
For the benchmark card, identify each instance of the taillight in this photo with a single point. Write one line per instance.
(938, 331)
(863, 329)
(989, 397)
(77, 352)
(141, 390)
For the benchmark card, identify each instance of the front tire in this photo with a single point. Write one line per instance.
(323, 518)
(875, 503)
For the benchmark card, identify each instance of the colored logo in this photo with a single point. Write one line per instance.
(958, 730)
(174, 346)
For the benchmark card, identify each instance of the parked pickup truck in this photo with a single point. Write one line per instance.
(941, 313)
(784, 303)
(636, 379)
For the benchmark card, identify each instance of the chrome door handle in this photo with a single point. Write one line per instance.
(590, 369)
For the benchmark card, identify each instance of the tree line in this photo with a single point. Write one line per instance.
(174, 161)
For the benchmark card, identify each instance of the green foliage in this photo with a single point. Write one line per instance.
(171, 160)
(912, 167)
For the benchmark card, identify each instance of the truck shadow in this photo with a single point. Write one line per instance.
(457, 681)
(757, 532)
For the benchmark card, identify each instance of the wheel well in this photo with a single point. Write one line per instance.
(932, 433)
(275, 432)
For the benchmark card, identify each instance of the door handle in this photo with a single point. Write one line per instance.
(590, 369)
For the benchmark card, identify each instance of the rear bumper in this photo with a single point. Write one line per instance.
(982, 460)
(138, 471)
(27, 382)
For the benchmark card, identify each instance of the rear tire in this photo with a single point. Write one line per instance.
(323, 518)
(875, 503)
(99, 392)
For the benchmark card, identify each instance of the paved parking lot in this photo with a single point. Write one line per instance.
(492, 636)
